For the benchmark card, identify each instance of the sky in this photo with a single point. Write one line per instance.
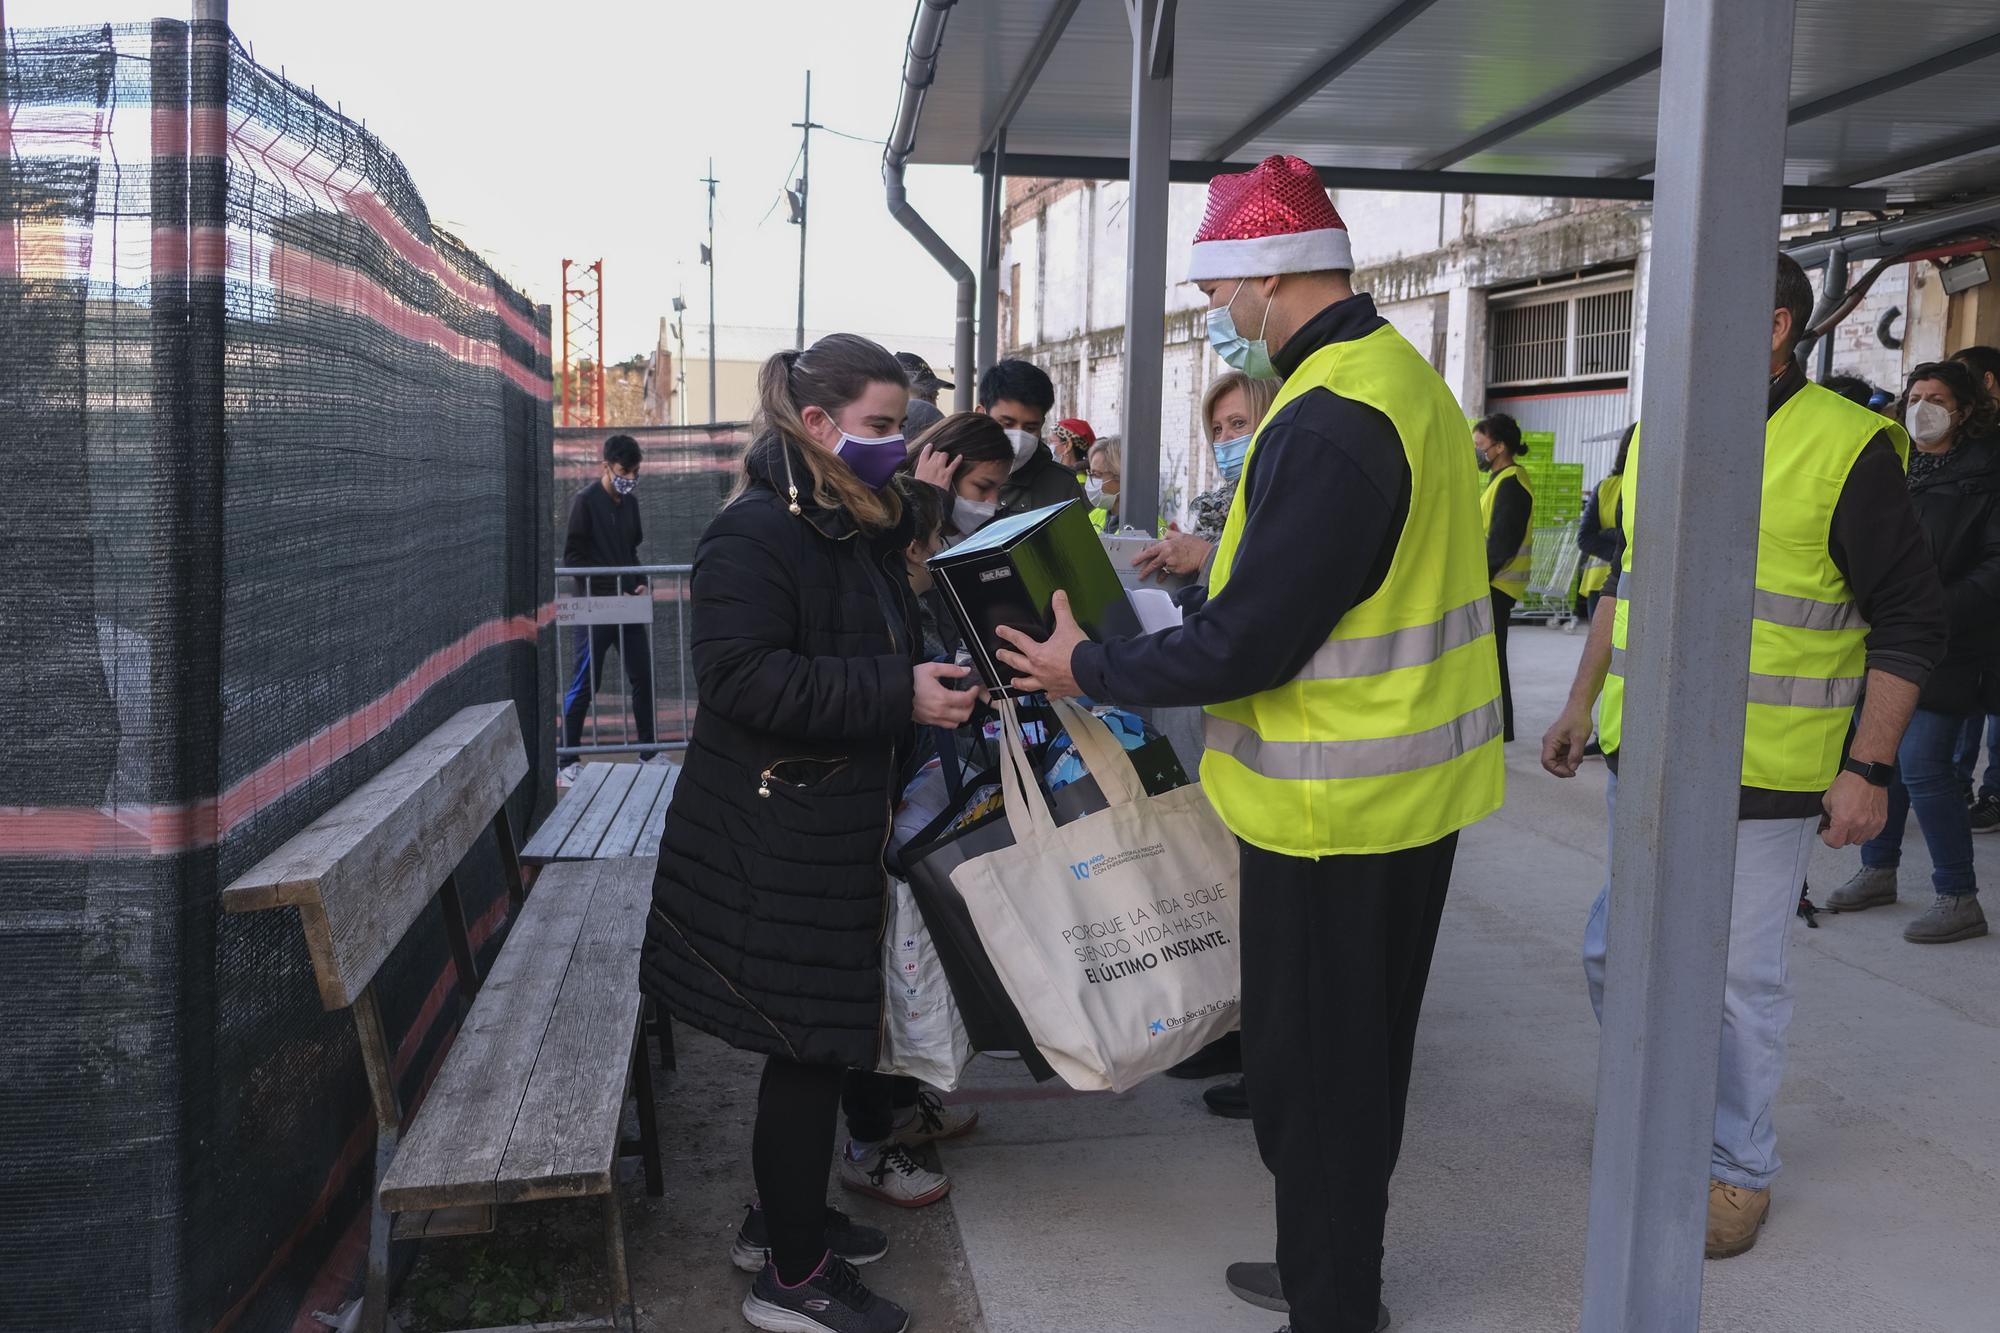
(582, 129)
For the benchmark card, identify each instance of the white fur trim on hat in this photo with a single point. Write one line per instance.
(1264, 256)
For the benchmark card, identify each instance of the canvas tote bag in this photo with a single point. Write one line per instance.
(1115, 935)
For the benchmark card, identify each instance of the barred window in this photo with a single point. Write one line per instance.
(1570, 333)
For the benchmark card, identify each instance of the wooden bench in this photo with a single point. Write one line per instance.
(612, 810)
(530, 1101)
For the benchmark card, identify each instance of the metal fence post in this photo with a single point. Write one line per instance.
(1723, 91)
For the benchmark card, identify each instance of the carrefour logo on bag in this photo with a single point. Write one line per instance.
(1083, 869)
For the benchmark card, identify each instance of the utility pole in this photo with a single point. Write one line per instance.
(800, 202)
(708, 258)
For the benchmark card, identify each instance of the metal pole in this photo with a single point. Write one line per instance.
(990, 246)
(568, 365)
(1835, 291)
(710, 181)
(807, 127)
(1721, 148)
(1146, 258)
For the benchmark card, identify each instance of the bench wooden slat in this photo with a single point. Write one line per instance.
(581, 844)
(363, 872)
(623, 835)
(656, 818)
(565, 1139)
(548, 839)
(453, 1152)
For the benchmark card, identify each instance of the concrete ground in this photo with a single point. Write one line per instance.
(1112, 1213)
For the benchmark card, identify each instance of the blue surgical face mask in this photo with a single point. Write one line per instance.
(1229, 456)
(1252, 356)
(623, 485)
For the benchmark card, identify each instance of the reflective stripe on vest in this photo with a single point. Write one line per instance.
(1513, 576)
(1808, 640)
(1390, 736)
(1307, 761)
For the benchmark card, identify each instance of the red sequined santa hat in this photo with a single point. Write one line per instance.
(1274, 218)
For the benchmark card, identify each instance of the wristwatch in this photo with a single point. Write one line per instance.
(1875, 775)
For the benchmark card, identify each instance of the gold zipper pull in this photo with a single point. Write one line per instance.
(795, 501)
(764, 784)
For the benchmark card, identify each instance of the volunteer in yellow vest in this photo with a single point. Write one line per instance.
(1508, 506)
(1345, 652)
(1846, 594)
(1597, 534)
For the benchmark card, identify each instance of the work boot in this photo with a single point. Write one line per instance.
(1952, 917)
(1872, 886)
(1228, 1100)
(1734, 1214)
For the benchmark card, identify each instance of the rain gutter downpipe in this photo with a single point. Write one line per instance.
(1904, 233)
(919, 68)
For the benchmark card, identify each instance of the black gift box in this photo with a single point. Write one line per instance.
(1008, 571)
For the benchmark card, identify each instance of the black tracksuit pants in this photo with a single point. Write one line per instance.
(1336, 953)
(791, 1148)
(1503, 610)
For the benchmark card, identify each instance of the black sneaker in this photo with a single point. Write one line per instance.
(1381, 1320)
(1985, 814)
(1228, 1100)
(1224, 1055)
(844, 1236)
(833, 1300)
(1259, 1284)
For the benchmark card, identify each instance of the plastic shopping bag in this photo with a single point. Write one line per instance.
(926, 1039)
(1115, 935)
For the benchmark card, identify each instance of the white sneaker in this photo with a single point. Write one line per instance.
(659, 757)
(891, 1174)
(931, 1121)
(567, 775)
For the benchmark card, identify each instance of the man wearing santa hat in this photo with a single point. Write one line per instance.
(1345, 654)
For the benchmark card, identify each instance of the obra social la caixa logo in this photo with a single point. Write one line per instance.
(1084, 869)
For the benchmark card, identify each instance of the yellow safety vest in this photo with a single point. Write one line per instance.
(1390, 736)
(1597, 572)
(1513, 576)
(1808, 642)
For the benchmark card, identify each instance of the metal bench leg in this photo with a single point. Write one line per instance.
(660, 1024)
(623, 1315)
(649, 1117)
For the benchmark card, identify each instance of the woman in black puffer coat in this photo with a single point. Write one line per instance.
(771, 896)
(1954, 482)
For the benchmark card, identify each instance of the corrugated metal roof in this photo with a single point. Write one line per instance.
(1456, 70)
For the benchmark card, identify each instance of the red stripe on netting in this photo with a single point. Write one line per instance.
(349, 1253)
(262, 141)
(169, 830)
(297, 273)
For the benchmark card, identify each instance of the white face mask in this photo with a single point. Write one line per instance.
(1024, 448)
(969, 516)
(1928, 422)
(1098, 493)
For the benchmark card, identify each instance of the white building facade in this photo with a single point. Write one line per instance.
(1531, 306)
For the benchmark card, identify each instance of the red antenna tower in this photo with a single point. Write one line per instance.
(583, 320)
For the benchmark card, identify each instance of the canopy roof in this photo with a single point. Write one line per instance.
(1894, 96)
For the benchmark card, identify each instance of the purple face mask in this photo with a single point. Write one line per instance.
(874, 461)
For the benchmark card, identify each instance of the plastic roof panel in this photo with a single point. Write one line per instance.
(1457, 70)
